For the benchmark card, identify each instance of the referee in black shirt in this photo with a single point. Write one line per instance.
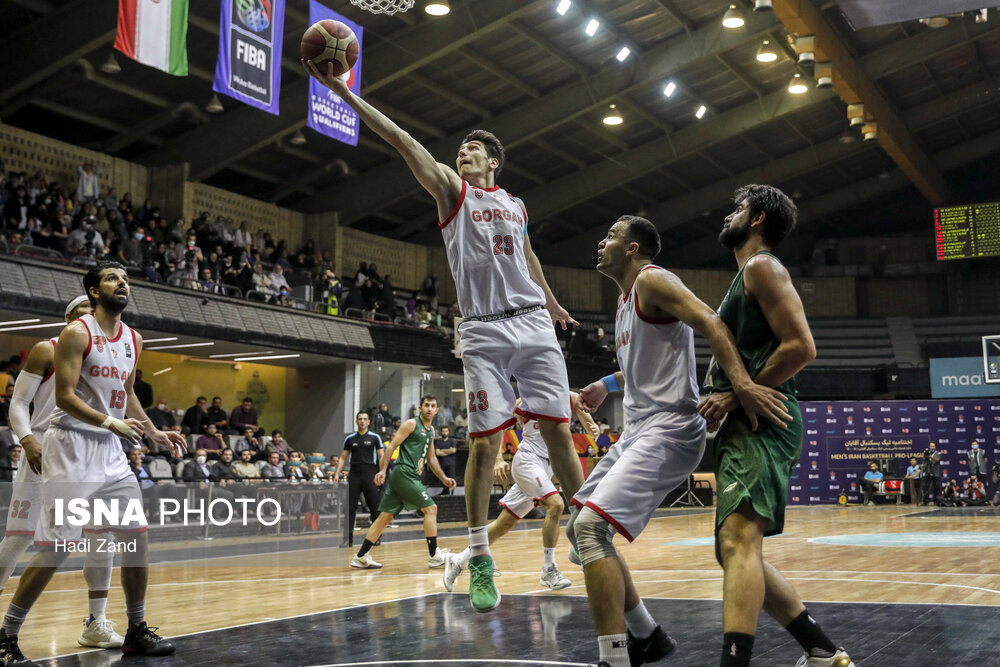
(366, 451)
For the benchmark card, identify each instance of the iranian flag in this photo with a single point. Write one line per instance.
(154, 32)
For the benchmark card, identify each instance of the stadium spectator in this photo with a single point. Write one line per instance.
(162, 417)
(206, 282)
(977, 459)
(871, 482)
(216, 414)
(245, 468)
(330, 290)
(430, 287)
(272, 471)
(212, 442)
(279, 445)
(195, 417)
(242, 238)
(383, 418)
(9, 464)
(248, 442)
(87, 184)
(132, 248)
(143, 391)
(244, 415)
(278, 283)
(445, 447)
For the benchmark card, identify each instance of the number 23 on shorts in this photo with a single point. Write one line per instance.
(478, 401)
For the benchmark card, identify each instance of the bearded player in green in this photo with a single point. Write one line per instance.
(405, 491)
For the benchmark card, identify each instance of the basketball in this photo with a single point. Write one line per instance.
(330, 41)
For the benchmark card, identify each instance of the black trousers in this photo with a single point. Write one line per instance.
(448, 468)
(931, 488)
(361, 480)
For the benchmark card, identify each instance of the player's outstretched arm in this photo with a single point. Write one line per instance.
(438, 179)
(661, 292)
(585, 417)
(559, 314)
(28, 380)
(173, 441)
(768, 282)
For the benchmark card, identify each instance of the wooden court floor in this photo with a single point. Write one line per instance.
(221, 591)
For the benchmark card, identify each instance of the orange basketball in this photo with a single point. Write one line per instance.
(330, 41)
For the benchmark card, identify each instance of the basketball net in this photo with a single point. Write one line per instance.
(383, 6)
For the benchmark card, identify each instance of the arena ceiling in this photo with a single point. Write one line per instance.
(535, 78)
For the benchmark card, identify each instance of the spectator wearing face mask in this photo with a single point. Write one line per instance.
(163, 418)
(205, 479)
(977, 459)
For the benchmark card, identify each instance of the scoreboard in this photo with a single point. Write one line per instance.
(971, 230)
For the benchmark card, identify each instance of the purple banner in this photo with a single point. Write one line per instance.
(841, 437)
(248, 67)
(328, 113)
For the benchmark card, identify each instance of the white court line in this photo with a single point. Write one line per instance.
(464, 661)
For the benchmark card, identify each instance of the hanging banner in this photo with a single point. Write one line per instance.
(248, 67)
(328, 113)
(154, 32)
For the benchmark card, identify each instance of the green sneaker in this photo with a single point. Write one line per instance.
(482, 592)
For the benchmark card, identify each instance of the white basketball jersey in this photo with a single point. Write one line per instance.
(107, 364)
(45, 400)
(657, 359)
(531, 439)
(484, 239)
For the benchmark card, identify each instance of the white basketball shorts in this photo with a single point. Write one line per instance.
(26, 498)
(532, 477)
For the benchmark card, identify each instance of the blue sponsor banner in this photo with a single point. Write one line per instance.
(328, 113)
(248, 67)
(960, 377)
(841, 437)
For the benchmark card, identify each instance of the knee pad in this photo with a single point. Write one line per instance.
(593, 536)
(97, 569)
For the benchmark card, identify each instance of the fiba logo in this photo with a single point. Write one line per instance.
(255, 14)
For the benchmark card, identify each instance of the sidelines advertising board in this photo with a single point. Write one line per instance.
(328, 113)
(248, 67)
(841, 437)
(960, 377)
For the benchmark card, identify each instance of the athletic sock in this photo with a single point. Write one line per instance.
(550, 556)
(809, 635)
(366, 546)
(13, 619)
(736, 649)
(136, 612)
(463, 558)
(614, 650)
(639, 621)
(432, 545)
(479, 541)
(98, 607)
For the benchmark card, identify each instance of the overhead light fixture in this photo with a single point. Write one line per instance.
(733, 18)
(562, 8)
(592, 27)
(275, 356)
(846, 137)
(613, 117)
(623, 54)
(176, 347)
(161, 372)
(159, 340)
(805, 46)
(870, 131)
(824, 74)
(11, 323)
(766, 53)
(437, 7)
(236, 354)
(297, 138)
(111, 65)
(460, 391)
(669, 90)
(35, 326)
(856, 114)
(797, 85)
(936, 21)
(700, 112)
(762, 6)
(983, 15)
(214, 105)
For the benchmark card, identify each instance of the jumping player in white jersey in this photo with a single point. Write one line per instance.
(82, 457)
(532, 486)
(664, 436)
(35, 383)
(503, 296)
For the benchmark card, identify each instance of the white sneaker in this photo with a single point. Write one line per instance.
(554, 579)
(365, 562)
(838, 659)
(438, 559)
(99, 634)
(869, 503)
(452, 568)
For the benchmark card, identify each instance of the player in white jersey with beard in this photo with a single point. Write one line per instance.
(82, 458)
(506, 332)
(35, 383)
(664, 436)
(532, 486)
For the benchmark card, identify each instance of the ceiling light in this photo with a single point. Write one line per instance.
(766, 53)
(159, 340)
(592, 27)
(856, 114)
(214, 105)
(805, 46)
(797, 85)
(733, 18)
(35, 326)
(562, 8)
(276, 356)
(613, 117)
(437, 7)
(983, 15)
(111, 65)
(669, 90)
(762, 6)
(161, 372)
(824, 75)
(10, 323)
(174, 347)
(846, 137)
(870, 131)
(237, 354)
(701, 111)
(623, 54)
(297, 138)
(935, 21)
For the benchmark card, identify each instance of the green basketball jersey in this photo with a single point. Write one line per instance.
(413, 450)
(755, 340)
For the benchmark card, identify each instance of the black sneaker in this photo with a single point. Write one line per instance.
(10, 654)
(656, 646)
(141, 640)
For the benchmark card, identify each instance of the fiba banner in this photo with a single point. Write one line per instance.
(841, 437)
(328, 113)
(248, 67)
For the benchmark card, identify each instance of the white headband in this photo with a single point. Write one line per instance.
(75, 303)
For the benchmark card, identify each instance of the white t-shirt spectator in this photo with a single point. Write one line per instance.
(88, 186)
